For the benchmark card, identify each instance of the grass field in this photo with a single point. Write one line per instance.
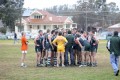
(10, 66)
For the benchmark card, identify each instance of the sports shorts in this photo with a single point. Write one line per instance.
(24, 52)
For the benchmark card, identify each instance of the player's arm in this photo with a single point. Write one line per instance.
(80, 44)
(54, 42)
(49, 38)
(65, 41)
(25, 40)
(35, 41)
(97, 41)
(43, 43)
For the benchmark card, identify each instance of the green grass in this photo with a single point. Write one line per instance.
(10, 66)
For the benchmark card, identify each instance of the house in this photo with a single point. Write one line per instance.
(115, 27)
(44, 20)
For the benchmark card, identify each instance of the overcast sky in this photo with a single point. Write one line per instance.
(40, 4)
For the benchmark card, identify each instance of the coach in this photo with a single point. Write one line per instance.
(114, 48)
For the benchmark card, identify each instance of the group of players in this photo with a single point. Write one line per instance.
(64, 48)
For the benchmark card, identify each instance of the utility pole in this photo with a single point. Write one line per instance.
(86, 22)
(20, 13)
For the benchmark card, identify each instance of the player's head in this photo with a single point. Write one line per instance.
(23, 33)
(69, 32)
(85, 34)
(74, 31)
(64, 32)
(56, 32)
(53, 32)
(115, 33)
(60, 33)
(48, 30)
(40, 32)
(81, 32)
(92, 32)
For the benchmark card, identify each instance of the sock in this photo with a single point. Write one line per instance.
(38, 62)
(22, 64)
(55, 60)
(88, 64)
(49, 61)
(45, 61)
(41, 61)
(82, 63)
(85, 63)
(95, 63)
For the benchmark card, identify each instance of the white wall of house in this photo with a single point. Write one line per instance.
(16, 29)
(25, 27)
(35, 27)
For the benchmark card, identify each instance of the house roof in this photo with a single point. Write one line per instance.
(48, 19)
(115, 26)
(27, 12)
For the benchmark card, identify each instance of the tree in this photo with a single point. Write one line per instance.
(10, 12)
(89, 13)
(2, 2)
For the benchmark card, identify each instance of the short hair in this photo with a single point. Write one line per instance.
(78, 31)
(77, 35)
(74, 28)
(56, 32)
(39, 31)
(48, 30)
(22, 33)
(52, 31)
(69, 32)
(81, 31)
(115, 33)
(93, 32)
(60, 33)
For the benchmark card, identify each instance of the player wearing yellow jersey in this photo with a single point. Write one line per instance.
(60, 42)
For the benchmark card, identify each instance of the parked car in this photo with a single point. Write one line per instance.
(28, 34)
(10, 35)
(34, 35)
(3, 37)
(105, 35)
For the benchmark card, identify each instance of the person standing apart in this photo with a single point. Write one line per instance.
(113, 46)
(60, 42)
(15, 38)
(24, 48)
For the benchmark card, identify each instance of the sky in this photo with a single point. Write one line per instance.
(40, 4)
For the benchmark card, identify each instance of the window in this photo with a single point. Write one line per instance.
(67, 25)
(38, 27)
(55, 26)
(37, 16)
(40, 17)
(73, 25)
(44, 27)
(30, 26)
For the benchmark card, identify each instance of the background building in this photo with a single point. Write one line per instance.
(44, 20)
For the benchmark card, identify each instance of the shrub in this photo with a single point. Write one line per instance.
(3, 30)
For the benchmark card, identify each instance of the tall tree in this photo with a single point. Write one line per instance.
(10, 12)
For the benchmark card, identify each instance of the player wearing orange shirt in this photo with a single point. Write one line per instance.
(24, 48)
